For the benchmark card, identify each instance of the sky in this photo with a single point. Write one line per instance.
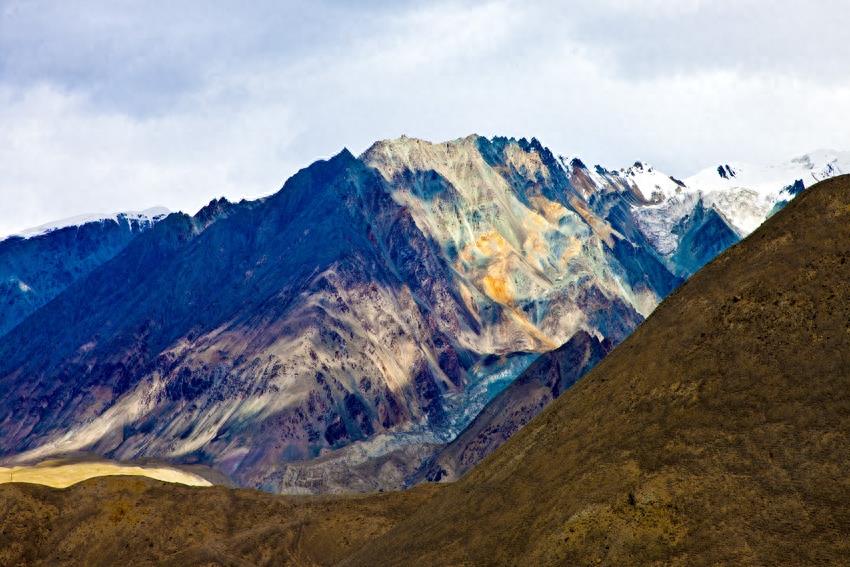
(120, 105)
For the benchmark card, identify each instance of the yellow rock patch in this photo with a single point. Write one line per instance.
(498, 288)
(492, 243)
(550, 210)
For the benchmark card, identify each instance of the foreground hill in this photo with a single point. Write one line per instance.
(716, 434)
(140, 521)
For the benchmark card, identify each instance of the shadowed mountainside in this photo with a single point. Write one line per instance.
(546, 379)
(716, 433)
(35, 269)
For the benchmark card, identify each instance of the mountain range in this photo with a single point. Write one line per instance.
(363, 328)
(714, 434)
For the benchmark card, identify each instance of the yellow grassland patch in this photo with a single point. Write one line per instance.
(65, 474)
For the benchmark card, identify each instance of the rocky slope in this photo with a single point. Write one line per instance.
(331, 336)
(546, 379)
(715, 434)
(686, 225)
(38, 264)
(383, 300)
(139, 521)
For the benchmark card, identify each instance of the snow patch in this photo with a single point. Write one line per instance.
(152, 214)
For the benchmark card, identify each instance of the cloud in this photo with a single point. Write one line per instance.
(668, 37)
(109, 106)
(61, 156)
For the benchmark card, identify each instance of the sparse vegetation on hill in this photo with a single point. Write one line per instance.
(718, 433)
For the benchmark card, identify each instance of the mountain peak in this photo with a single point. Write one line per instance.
(150, 214)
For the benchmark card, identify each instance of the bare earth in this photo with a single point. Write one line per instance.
(717, 434)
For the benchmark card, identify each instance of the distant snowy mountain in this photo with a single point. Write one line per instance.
(38, 264)
(657, 206)
(145, 217)
(743, 195)
(747, 193)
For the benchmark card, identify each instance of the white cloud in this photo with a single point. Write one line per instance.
(124, 109)
(60, 156)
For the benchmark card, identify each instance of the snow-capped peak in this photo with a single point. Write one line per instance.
(823, 164)
(770, 180)
(651, 184)
(747, 193)
(152, 214)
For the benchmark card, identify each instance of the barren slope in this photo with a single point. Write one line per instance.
(140, 521)
(716, 434)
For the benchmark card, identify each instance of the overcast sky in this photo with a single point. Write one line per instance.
(108, 106)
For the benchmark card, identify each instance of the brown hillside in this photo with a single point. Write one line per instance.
(140, 521)
(716, 434)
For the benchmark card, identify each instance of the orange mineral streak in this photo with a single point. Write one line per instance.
(550, 210)
(601, 228)
(496, 251)
(498, 289)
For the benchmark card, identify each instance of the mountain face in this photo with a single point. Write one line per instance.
(40, 263)
(685, 226)
(384, 298)
(717, 433)
(703, 234)
(335, 335)
(544, 380)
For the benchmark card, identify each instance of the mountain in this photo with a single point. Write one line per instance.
(358, 317)
(715, 434)
(336, 335)
(38, 264)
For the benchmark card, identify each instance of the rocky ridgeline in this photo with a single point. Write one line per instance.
(336, 335)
